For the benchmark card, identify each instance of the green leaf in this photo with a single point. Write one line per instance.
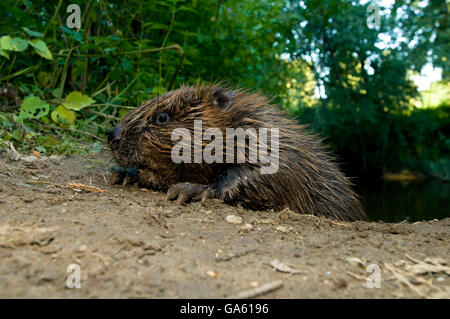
(5, 43)
(32, 33)
(63, 116)
(33, 108)
(19, 44)
(4, 53)
(74, 34)
(41, 149)
(17, 135)
(77, 101)
(41, 48)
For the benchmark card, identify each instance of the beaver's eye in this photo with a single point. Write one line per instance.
(162, 118)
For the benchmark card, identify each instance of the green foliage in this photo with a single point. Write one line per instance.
(7, 43)
(77, 83)
(417, 140)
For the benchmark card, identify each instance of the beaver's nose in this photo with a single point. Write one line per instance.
(114, 137)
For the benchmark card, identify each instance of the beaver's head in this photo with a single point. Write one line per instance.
(143, 137)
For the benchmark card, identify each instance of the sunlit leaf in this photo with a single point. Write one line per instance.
(63, 116)
(19, 44)
(32, 33)
(41, 48)
(5, 43)
(77, 101)
(33, 108)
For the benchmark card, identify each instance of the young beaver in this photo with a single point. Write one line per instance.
(306, 180)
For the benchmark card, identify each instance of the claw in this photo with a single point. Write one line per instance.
(185, 192)
(182, 198)
(172, 193)
(126, 181)
(116, 178)
(123, 176)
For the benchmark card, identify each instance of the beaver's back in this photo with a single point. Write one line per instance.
(308, 179)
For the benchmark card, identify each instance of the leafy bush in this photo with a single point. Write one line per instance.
(121, 56)
(62, 89)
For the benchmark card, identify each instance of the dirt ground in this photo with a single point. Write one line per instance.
(130, 243)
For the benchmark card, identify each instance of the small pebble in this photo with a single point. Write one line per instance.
(246, 228)
(282, 229)
(211, 273)
(233, 219)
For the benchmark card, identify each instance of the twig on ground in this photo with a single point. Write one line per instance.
(240, 254)
(72, 186)
(263, 289)
(86, 188)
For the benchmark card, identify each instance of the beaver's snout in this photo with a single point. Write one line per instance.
(114, 138)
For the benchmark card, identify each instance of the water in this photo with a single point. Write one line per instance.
(393, 201)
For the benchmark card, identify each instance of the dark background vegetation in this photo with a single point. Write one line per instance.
(125, 52)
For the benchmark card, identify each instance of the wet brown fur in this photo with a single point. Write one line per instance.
(308, 180)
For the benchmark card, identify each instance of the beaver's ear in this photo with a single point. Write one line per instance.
(221, 98)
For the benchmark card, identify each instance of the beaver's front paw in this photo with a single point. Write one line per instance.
(185, 192)
(123, 176)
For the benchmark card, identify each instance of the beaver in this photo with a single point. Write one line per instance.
(307, 179)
